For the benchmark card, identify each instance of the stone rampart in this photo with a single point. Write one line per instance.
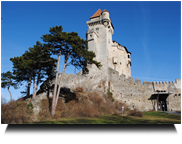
(141, 96)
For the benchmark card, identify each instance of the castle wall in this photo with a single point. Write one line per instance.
(138, 95)
(174, 101)
(133, 93)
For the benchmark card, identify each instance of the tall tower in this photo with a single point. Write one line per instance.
(99, 36)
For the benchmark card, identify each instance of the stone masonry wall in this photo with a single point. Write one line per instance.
(133, 93)
(138, 95)
(72, 81)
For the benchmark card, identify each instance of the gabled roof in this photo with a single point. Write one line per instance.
(122, 46)
(97, 13)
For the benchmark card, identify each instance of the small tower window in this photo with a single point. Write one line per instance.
(109, 84)
(90, 35)
(120, 63)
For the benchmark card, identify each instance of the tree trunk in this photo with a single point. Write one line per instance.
(53, 110)
(60, 82)
(48, 87)
(62, 75)
(38, 79)
(29, 83)
(33, 85)
(55, 86)
(10, 94)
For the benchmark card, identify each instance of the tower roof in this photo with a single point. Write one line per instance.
(105, 10)
(97, 13)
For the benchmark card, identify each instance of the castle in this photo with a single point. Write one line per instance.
(115, 73)
(116, 70)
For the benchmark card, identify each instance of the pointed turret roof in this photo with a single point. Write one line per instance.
(105, 10)
(97, 13)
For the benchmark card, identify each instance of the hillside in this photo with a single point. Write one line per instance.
(70, 104)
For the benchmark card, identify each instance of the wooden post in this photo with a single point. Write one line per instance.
(157, 101)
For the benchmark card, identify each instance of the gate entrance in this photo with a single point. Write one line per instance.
(160, 101)
(162, 106)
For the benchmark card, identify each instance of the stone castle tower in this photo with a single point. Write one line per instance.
(110, 53)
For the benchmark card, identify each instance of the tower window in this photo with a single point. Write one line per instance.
(109, 84)
(120, 63)
(90, 35)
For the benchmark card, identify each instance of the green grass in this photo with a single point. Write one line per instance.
(149, 118)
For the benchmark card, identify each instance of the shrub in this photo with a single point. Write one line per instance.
(110, 94)
(45, 110)
(29, 108)
(61, 109)
(79, 89)
(84, 109)
(14, 113)
(135, 113)
(96, 99)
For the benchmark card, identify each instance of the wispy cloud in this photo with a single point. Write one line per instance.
(143, 28)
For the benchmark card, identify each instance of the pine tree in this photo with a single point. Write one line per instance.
(33, 64)
(56, 41)
(71, 46)
(8, 80)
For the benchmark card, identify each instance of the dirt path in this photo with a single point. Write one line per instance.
(172, 112)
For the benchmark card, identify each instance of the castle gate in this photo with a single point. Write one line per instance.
(160, 101)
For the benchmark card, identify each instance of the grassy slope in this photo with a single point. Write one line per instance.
(149, 118)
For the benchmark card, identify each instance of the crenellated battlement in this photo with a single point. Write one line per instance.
(162, 86)
(165, 82)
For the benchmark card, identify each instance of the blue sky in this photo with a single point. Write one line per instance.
(151, 31)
